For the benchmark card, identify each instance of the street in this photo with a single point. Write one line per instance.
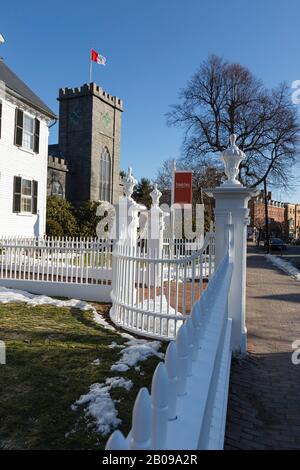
(292, 255)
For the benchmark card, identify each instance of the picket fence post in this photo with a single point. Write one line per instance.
(117, 442)
(231, 206)
(140, 436)
(171, 366)
(159, 398)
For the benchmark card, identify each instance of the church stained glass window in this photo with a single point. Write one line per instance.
(105, 175)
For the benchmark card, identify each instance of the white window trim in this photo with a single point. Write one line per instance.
(26, 149)
(23, 213)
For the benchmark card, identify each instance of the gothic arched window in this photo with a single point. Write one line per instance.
(57, 189)
(105, 174)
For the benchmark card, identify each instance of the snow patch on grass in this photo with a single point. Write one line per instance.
(100, 405)
(114, 345)
(100, 320)
(285, 266)
(136, 350)
(20, 296)
(96, 362)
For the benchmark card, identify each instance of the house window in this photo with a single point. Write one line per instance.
(57, 189)
(105, 173)
(27, 141)
(25, 195)
(27, 131)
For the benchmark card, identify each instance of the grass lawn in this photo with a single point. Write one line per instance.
(49, 355)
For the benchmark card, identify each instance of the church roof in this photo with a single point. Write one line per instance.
(19, 89)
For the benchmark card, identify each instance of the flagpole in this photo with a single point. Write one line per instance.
(91, 68)
(172, 215)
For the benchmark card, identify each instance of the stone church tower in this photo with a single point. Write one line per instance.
(89, 141)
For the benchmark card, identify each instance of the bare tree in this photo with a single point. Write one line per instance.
(223, 98)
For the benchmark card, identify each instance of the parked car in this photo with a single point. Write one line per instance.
(276, 244)
(295, 241)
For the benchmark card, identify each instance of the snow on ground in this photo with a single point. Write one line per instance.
(136, 350)
(100, 320)
(20, 296)
(285, 266)
(114, 345)
(162, 326)
(100, 406)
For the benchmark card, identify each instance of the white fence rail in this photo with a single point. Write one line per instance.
(151, 296)
(181, 247)
(187, 406)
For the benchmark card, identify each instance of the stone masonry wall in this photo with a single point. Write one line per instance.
(90, 120)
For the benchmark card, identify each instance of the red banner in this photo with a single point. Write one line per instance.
(183, 187)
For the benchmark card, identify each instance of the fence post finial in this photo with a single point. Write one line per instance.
(129, 182)
(155, 195)
(232, 158)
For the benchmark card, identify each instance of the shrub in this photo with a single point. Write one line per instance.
(60, 219)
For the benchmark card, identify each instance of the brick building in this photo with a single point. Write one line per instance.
(276, 214)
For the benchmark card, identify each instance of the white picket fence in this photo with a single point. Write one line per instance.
(67, 267)
(181, 247)
(151, 296)
(188, 402)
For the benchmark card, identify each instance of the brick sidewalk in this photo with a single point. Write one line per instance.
(264, 397)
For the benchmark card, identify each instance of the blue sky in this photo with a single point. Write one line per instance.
(152, 49)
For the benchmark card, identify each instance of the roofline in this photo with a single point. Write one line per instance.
(32, 105)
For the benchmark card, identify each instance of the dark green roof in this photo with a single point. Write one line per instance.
(22, 91)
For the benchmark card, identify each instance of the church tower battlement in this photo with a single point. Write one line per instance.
(90, 88)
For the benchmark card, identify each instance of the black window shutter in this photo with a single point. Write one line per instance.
(34, 196)
(0, 118)
(17, 194)
(19, 127)
(36, 136)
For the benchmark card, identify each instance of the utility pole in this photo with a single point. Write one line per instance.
(266, 216)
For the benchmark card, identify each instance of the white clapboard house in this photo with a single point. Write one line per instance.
(24, 130)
